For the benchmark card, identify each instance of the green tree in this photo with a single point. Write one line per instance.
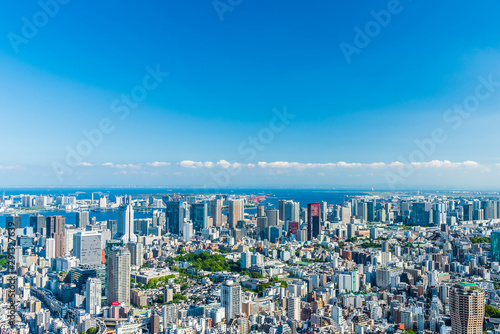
(490, 311)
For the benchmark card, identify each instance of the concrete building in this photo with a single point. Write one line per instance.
(466, 309)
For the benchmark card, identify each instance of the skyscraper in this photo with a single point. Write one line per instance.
(495, 246)
(262, 228)
(314, 220)
(281, 209)
(216, 211)
(198, 216)
(468, 212)
(38, 223)
(56, 230)
(87, 247)
(136, 253)
(272, 217)
(93, 294)
(292, 212)
(231, 299)
(112, 225)
(14, 220)
(174, 214)
(118, 262)
(187, 231)
(82, 219)
(466, 309)
(154, 323)
(236, 212)
(293, 308)
(125, 225)
(324, 211)
(421, 213)
(50, 248)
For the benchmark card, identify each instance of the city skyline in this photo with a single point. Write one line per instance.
(360, 103)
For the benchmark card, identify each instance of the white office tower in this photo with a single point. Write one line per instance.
(293, 308)
(118, 275)
(82, 219)
(170, 315)
(187, 231)
(245, 260)
(291, 211)
(216, 212)
(432, 277)
(87, 247)
(50, 248)
(93, 290)
(218, 314)
(125, 228)
(231, 299)
(337, 315)
(349, 281)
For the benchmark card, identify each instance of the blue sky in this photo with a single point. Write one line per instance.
(355, 121)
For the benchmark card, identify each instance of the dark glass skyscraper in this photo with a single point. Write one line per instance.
(174, 214)
(198, 215)
(313, 220)
(17, 220)
(38, 223)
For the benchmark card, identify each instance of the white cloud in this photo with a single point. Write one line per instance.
(342, 164)
(85, 164)
(158, 164)
(445, 164)
(121, 166)
(209, 164)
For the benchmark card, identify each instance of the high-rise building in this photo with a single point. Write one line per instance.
(187, 231)
(370, 211)
(93, 294)
(466, 309)
(314, 220)
(87, 247)
(159, 219)
(243, 325)
(468, 212)
(293, 308)
(245, 260)
(154, 323)
(262, 227)
(261, 210)
(174, 214)
(216, 212)
(56, 230)
(136, 253)
(198, 215)
(170, 314)
(118, 262)
(324, 211)
(231, 299)
(495, 246)
(50, 248)
(14, 220)
(38, 223)
(112, 225)
(125, 225)
(281, 208)
(421, 213)
(272, 217)
(362, 211)
(82, 219)
(292, 212)
(236, 212)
